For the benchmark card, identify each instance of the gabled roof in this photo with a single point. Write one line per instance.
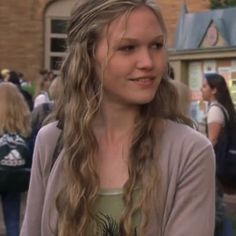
(192, 27)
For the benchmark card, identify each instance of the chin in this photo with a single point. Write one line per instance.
(145, 100)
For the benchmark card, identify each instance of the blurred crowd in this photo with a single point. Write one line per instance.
(39, 95)
(23, 107)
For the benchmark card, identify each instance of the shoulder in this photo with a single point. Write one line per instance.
(215, 114)
(182, 147)
(182, 134)
(47, 138)
(215, 108)
(41, 98)
(49, 132)
(45, 144)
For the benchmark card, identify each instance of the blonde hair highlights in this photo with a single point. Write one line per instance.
(81, 100)
(14, 112)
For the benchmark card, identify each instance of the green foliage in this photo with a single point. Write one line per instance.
(216, 4)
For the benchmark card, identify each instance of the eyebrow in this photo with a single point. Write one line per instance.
(159, 37)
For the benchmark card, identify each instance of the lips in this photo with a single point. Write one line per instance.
(146, 78)
(143, 81)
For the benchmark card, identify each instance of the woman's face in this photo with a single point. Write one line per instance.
(207, 91)
(46, 83)
(131, 58)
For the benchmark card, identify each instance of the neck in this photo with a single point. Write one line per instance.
(212, 100)
(115, 121)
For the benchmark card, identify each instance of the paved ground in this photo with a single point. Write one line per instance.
(229, 200)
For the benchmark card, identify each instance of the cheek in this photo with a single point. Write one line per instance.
(206, 93)
(161, 64)
(117, 68)
(162, 67)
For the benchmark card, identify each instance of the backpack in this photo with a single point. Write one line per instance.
(225, 151)
(15, 162)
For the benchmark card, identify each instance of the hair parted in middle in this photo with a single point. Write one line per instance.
(77, 107)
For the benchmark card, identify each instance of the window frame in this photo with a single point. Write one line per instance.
(59, 10)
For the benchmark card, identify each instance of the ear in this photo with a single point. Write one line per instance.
(213, 91)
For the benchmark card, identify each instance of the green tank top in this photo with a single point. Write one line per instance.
(108, 209)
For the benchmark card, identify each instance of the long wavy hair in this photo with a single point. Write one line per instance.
(77, 107)
(222, 95)
(14, 111)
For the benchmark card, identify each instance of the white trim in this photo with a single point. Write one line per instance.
(59, 10)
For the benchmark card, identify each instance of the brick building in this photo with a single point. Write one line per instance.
(32, 31)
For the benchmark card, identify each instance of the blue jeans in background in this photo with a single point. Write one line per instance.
(227, 228)
(11, 212)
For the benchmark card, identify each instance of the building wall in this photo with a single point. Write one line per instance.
(21, 36)
(22, 31)
(171, 12)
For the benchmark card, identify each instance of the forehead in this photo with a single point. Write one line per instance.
(133, 23)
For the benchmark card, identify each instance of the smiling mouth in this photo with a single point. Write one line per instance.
(142, 79)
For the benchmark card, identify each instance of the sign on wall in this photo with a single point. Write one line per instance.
(209, 66)
(195, 76)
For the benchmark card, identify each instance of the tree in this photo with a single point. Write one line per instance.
(216, 4)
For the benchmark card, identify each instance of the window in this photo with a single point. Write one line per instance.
(56, 20)
(57, 43)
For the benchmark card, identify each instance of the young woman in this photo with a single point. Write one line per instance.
(15, 127)
(216, 93)
(129, 164)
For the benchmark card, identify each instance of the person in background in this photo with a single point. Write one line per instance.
(216, 93)
(14, 118)
(51, 75)
(1, 76)
(130, 163)
(41, 91)
(5, 74)
(184, 96)
(43, 110)
(183, 91)
(13, 77)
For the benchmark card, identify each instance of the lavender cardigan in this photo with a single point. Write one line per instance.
(186, 196)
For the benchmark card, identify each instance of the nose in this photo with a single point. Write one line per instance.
(145, 60)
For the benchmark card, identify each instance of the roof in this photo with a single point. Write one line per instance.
(192, 27)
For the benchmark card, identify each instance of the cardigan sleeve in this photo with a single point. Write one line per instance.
(193, 207)
(35, 197)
